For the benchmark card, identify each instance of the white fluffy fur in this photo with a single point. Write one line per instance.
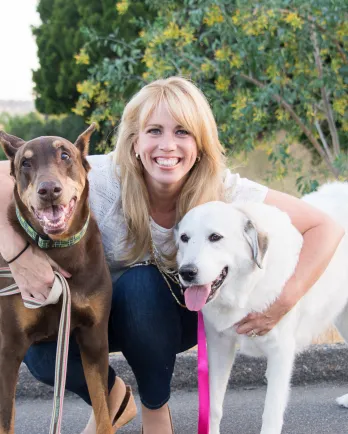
(248, 287)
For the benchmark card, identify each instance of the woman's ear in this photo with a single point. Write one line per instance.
(136, 146)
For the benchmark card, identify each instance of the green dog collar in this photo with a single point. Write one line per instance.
(44, 241)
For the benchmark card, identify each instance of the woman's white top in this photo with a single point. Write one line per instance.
(105, 202)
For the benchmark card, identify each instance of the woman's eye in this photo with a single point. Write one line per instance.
(26, 163)
(182, 132)
(154, 131)
(65, 156)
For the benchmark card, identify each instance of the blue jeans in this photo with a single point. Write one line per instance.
(146, 324)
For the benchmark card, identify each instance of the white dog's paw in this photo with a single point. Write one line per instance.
(343, 401)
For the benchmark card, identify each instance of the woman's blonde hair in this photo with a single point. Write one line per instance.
(189, 107)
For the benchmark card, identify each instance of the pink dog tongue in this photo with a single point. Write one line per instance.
(196, 296)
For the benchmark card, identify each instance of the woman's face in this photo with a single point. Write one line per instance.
(166, 149)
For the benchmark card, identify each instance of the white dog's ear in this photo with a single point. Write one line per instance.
(257, 241)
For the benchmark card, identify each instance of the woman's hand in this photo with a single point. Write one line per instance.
(260, 323)
(33, 273)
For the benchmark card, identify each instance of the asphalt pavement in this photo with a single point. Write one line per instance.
(312, 410)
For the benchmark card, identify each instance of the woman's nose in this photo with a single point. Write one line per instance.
(168, 143)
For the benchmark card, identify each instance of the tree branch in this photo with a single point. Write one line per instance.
(325, 98)
(298, 121)
(323, 139)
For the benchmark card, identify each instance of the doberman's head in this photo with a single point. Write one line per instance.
(51, 178)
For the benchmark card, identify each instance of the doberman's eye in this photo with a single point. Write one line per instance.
(26, 163)
(215, 237)
(184, 238)
(65, 156)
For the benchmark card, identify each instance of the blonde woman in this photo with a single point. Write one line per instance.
(167, 160)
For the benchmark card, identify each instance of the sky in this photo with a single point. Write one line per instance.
(17, 48)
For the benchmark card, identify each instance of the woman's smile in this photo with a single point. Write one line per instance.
(167, 162)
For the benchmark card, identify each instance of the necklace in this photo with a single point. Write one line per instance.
(167, 274)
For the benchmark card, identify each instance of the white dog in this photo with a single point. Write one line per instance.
(234, 259)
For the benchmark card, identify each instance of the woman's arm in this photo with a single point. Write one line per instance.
(321, 237)
(10, 242)
(32, 271)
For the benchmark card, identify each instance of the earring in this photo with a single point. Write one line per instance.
(137, 156)
(198, 159)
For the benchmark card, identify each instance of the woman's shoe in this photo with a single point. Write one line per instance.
(171, 423)
(124, 401)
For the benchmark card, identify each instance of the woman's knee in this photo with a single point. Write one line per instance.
(40, 360)
(144, 314)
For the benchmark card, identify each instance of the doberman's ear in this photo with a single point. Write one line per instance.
(10, 144)
(82, 142)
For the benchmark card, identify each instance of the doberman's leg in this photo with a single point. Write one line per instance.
(12, 351)
(93, 342)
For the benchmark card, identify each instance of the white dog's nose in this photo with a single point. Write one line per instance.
(188, 272)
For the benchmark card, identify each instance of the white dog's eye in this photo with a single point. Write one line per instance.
(184, 238)
(215, 237)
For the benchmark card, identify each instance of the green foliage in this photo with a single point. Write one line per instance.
(60, 38)
(305, 185)
(263, 66)
(34, 125)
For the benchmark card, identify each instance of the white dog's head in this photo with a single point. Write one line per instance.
(217, 243)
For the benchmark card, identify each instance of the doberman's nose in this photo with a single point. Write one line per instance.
(188, 272)
(49, 190)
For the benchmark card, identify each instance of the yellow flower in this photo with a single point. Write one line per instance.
(172, 31)
(240, 103)
(309, 111)
(272, 71)
(236, 61)
(223, 53)
(187, 34)
(281, 114)
(342, 30)
(80, 107)
(206, 67)
(82, 58)
(161, 68)
(340, 105)
(122, 7)
(254, 27)
(222, 83)
(236, 17)
(214, 16)
(336, 64)
(148, 58)
(88, 88)
(294, 20)
(102, 97)
(258, 114)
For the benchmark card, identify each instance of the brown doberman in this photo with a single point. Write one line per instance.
(51, 197)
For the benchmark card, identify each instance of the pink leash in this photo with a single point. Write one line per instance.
(203, 379)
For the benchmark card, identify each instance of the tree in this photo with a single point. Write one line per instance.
(60, 39)
(264, 66)
(34, 125)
